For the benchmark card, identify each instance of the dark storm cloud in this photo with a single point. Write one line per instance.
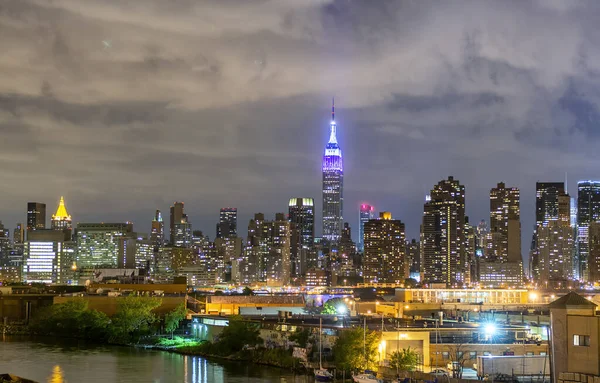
(126, 106)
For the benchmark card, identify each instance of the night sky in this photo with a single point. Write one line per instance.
(126, 106)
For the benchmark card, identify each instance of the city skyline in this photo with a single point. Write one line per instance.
(148, 107)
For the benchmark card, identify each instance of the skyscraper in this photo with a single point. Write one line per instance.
(385, 252)
(553, 233)
(505, 224)
(61, 220)
(157, 231)
(36, 216)
(588, 211)
(180, 227)
(443, 244)
(333, 186)
(364, 215)
(301, 214)
(227, 226)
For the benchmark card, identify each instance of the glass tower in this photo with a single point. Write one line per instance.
(364, 215)
(333, 185)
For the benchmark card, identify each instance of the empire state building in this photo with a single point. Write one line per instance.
(333, 186)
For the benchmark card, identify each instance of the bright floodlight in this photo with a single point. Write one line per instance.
(490, 329)
(341, 309)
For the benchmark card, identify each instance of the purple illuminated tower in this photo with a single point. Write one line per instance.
(333, 185)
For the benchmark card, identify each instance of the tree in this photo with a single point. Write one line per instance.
(410, 283)
(301, 337)
(247, 291)
(133, 319)
(237, 336)
(335, 306)
(351, 352)
(404, 360)
(174, 317)
(458, 357)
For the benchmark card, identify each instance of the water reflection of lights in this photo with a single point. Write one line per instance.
(200, 371)
(57, 375)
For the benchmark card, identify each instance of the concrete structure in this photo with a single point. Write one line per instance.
(21, 307)
(230, 305)
(575, 338)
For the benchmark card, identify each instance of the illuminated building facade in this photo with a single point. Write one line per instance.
(593, 236)
(48, 258)
(384, 258)
(61, 220)
(505, 224)
(500, 275)
(227, 226)
(333, 186)
(36, 216)
(555, 251)
(443, 241)
(588, 211)
(98, 243)
(366, 213)
(301, 214)
(157, 231)
(267, 256)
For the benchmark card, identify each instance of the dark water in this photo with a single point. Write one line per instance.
(74, 362)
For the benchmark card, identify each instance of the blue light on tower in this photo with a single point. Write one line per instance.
(333, 185)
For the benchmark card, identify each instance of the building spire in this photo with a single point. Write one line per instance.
(61, 212)
(332, 135)
(333, 109)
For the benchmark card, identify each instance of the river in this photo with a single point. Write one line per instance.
(76, 362)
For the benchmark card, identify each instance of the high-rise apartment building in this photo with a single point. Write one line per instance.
(593, 238)
(157, 231)
(443, 243)
(588, 211)
(61, 220)
(553, 233)
(333, 186)
(301, 214)
(413, 256)
(227, 226)
(267, 256)
(505, 224)
(99, 244)
(365, 214)
(385, 252)
(36, 216)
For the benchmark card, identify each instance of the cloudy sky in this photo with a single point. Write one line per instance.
(125, 106)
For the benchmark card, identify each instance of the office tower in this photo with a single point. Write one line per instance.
(36, 216)
(413, 257)
(588, 211)
(19, 234)
(385, 253)
(267, 255)
(301, 214)
(554, 250)
(144, 252)
(593, 237)
(227, 226)
(553, 212)
(157, 231)
(180, 227)
(47, 257)
(61, 220)
(176, 216)
(505, 224)
(98, 244)
(365, 214)
(443, 244)
(333, 186)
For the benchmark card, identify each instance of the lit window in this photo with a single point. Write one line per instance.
(581, 340)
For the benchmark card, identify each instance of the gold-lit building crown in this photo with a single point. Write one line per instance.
(61, 213)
